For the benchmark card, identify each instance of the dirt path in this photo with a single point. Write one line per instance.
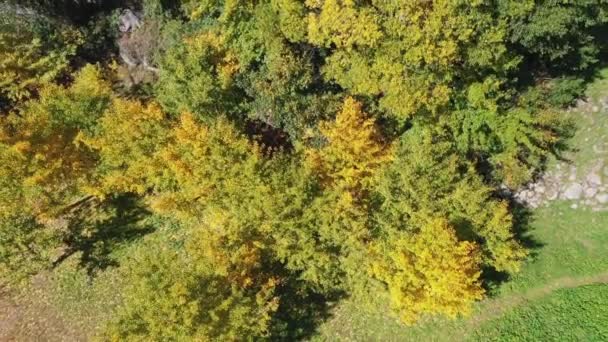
(29, 319)
(494, 308)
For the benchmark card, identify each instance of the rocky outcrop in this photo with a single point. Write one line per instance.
(137, 44)
(563, 184)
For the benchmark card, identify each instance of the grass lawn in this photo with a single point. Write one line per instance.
(572, 314)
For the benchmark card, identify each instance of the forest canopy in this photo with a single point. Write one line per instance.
(288, 153)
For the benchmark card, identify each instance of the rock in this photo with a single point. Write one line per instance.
(594, 179)
(574, 206)
(595, 109)
(572, 177)
(552, 194)
(573, 192)
(606, 171)
(602, 198)
(540, 189)
(128, 21)
(581, 103)
(590, 192)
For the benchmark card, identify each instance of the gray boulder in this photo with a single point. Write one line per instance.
(594, 179)
(128, 21)
(574, 191)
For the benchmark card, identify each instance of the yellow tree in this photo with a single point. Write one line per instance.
(344, 168)
(407, 53)
(353, 152)
(41, 146)
(127, 140)
(429, 271)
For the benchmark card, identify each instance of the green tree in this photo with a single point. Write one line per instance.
(558, 34)
(197, 75)
(408, 54)
(34, 51)
(171, 296)
(428, 178)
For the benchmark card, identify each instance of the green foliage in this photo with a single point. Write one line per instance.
(48, 165)
(515, 144)
(171, 297)
(559, 92)
(26, 247)
(561, 34)
(428, 179)
(34, 51)
(408, 54)
(197, 76)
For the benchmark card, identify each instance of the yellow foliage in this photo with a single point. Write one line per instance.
(127, 140)
(430, 272)
(46, 158)
(340, 22)
(28, 60)
(353, 152)
(214, 45)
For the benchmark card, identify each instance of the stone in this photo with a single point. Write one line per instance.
(590, 192)
(594, 178)
(602, 198)
(581, 103)
(572, 177)
(552, 194)
(128, 21)
(573, 192)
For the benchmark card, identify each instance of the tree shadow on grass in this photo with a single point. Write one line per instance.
(522, 229)
(99, 229)
(301, 312)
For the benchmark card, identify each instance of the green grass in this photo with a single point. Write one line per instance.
(576, 314)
